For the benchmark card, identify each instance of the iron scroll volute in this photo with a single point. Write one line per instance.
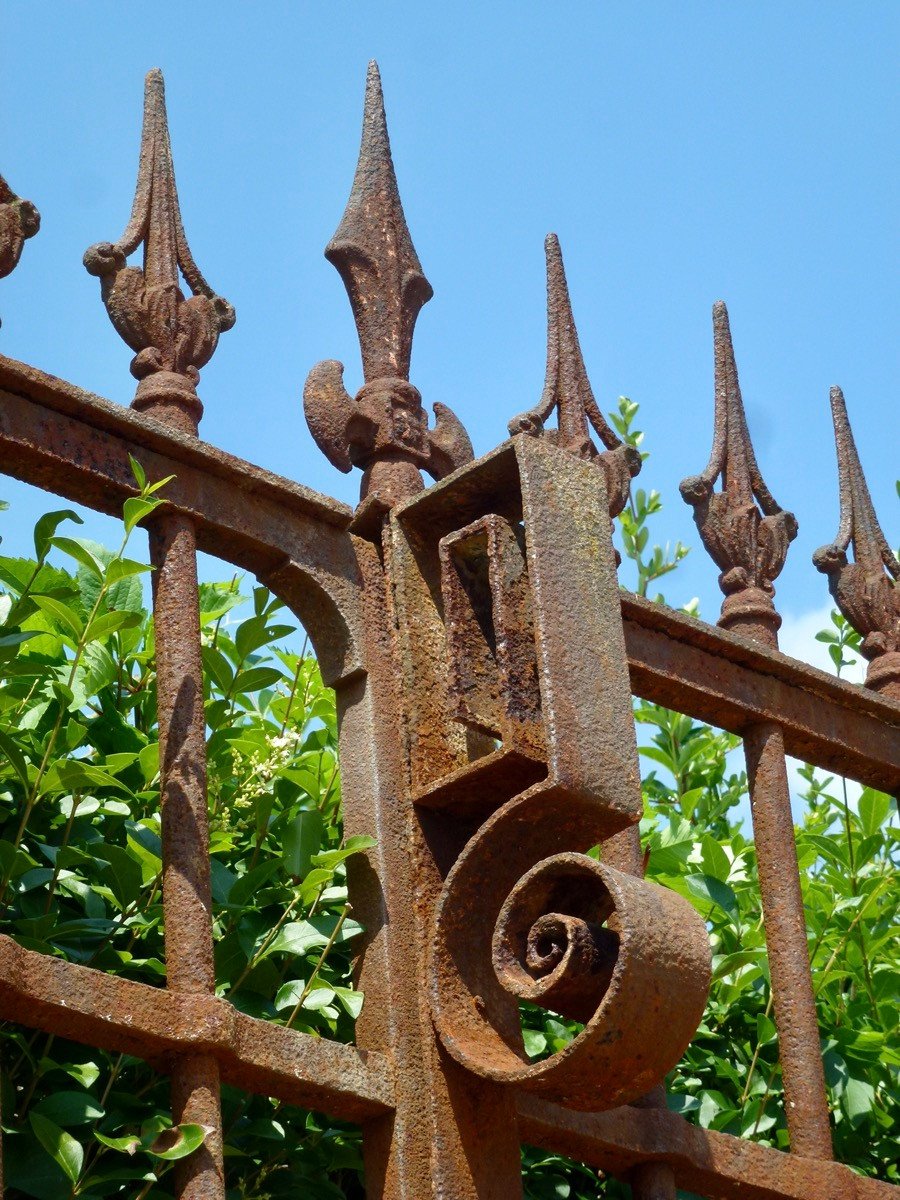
(627, 957)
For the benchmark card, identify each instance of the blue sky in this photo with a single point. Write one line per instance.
(682, 152)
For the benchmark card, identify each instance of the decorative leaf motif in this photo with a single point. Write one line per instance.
(383, 429)
(19, 220)
(567, 389)
(744, 530)
(145, 304)
(866, 590)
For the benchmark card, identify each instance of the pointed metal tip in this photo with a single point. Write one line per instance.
(155, 90)
(721, 323)
(374, 117)
(557, 284)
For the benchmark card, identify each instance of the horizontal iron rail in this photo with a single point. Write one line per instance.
(715, 1165)
(111, 1013)
(727, 680)
(76, 445)
(59, 437)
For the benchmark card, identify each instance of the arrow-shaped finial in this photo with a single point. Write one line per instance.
(865, 590)
(742, 527)
(19, 220)
(172, 336)
(568, 390)
(383, 429)
(373, 251)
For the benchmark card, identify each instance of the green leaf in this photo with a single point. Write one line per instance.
(535, 1042)
(160, 483)
(177, 1142)
(135, 509)
(122, 874)
(107, 623)
(69, 1108)
(62, 616)
(857, 1100)
(351, 1001)
(256, 678)
(78, 550)
(301, 839)
(73, 775)
(149, 762)
(47, 526)
(124, 568)
(715, 860)
(706, 887)
(140, 475)
(127, 1145)
(61, 1146)
(873, 810)
(15, 756)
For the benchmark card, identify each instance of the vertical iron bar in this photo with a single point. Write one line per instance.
(747, 533)
(173, 338)
(649, 1180)
(187, 902)
(803, 1077)
(452, 1134)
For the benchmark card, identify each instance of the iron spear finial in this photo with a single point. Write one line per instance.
(373, 251)
(743, 528)
(172, 336)
(568, 390)
(19, 220)
(384, 429)
(865, 590)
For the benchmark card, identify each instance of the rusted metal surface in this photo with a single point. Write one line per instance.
(19, 220)
(865, 590)
(567, 389)
(173, 338)
(118, 1014)
(727, 680)
(383, 429)
(749, 546)
(57, 436)
(748, 543)
(713, 1165)
(524, 875)
(483, 660)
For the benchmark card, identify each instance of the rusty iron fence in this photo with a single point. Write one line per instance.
(484, 661)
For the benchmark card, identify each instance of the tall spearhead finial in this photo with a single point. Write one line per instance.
(384, 429)
(19, 220)
(173, 336)
(744, 530)
(865, 590)
(568, 390)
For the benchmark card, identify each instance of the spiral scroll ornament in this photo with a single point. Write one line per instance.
(526, 914)
(626, 957)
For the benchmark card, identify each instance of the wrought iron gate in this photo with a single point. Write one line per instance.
(484, 661)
